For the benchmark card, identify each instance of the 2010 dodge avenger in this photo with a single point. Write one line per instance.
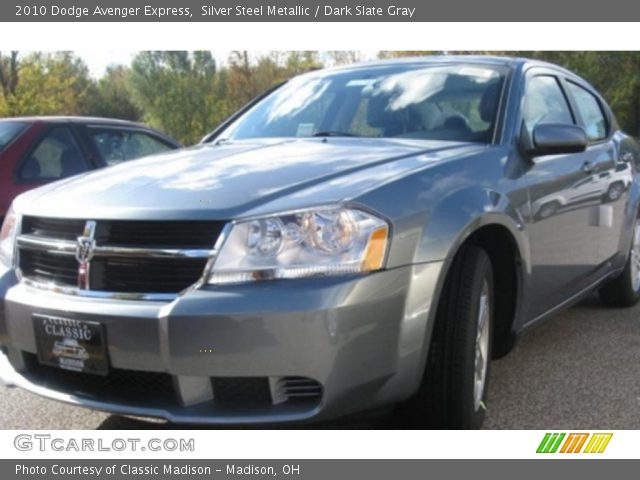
(362, 236)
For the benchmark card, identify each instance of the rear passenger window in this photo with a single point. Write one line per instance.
(56, 156)
(545, 103)
(591, 112)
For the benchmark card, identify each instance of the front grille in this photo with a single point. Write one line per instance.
(109, 272)
(53, 228)
(47, 267)
(118, 384)
(139, 275)
(146, 233)
(169, 234)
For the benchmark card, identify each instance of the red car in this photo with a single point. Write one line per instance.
(38, 150)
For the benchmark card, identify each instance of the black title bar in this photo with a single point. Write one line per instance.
(314, 11)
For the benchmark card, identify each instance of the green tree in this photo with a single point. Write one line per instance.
(406, 53)
(344, 57)
(112, 97)
(298, 62)
(9, 73)
(249, 77)
(46, 84)
(178, 92)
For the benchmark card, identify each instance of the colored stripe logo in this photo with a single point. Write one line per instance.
(574, 443)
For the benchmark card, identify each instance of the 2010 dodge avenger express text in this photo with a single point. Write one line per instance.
(361, 236)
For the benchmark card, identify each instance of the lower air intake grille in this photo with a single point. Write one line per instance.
(118, 384)
(241, 389)
(298, 388)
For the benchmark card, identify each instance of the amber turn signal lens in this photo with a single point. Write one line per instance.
(376, 249)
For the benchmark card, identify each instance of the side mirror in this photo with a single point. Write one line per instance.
(554, 139)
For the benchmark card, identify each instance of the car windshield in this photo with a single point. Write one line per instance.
(9, 131)
(437, 102)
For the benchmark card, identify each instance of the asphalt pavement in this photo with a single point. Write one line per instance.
(579, 370)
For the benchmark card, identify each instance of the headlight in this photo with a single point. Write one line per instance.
(8, 238)
(323, 241)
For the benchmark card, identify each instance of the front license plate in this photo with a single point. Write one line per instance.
(71, 344)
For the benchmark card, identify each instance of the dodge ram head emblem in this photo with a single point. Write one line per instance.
(85, 248)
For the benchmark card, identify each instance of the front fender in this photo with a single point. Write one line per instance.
(448, 226)
(454, 219)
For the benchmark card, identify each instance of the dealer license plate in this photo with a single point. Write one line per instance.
(71, 344)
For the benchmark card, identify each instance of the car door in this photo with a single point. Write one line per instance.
(564, 205)
(614, 173)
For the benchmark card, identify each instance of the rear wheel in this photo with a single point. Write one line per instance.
(624, 290)
(454, 389)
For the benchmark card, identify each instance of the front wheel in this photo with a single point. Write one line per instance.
(548, 209)
(615, 191)
(454, 390)
(624, 290)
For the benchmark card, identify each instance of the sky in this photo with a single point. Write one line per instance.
(98, 61)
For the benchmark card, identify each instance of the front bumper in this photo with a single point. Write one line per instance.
(361, 338)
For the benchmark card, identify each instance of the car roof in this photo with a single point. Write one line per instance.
(102, 121)
(489, 60)
(75, 119)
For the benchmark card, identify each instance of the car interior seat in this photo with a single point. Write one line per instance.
(391, 122)
(71, 163)
(31, 169)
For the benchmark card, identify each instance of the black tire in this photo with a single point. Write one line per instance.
(620, 291)
(614, 192)
(446, 398)
(548, 210)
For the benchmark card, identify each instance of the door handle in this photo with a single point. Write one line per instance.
(588, 167)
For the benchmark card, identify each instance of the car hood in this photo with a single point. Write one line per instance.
(241, 178)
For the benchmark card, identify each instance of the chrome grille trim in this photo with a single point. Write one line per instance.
(67, 247)
(50, 245)
(284, 389)
(97, 294)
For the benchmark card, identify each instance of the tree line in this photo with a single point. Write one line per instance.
(186, 94)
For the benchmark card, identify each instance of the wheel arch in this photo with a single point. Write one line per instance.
(507, 248)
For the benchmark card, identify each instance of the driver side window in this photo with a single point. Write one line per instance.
(545, 103)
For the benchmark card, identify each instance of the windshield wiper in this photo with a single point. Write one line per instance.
(333, 133)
